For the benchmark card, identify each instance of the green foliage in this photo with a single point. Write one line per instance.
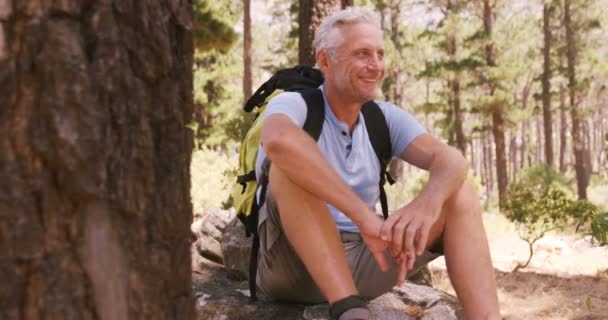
(217, 98)
(540, 201)
(536, 212)
(210, 179)
(211, 30)
(599, 229)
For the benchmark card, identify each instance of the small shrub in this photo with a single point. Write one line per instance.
(540, 202)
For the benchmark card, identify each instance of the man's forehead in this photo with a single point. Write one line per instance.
(361, 35)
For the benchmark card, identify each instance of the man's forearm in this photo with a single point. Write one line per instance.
(298, 156)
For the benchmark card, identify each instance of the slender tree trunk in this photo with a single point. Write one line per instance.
(563, 128)
(247, 51)
(473, 156)
(458, 115)
(577, 134)
(396, 72)
(513, 155)
(311, 14)
(454, 88)
(539, 140)
(488, 157)
(546, 86)
(525, 133)
(95, 208)
(497, 111)
(498, 127)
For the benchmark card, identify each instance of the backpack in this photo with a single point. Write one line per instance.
(306, 81)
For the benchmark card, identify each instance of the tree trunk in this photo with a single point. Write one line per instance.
(513, 155)
(546, 86)
(396, 72)
(95, 206)
(577, 134)
(497, 111)
(498, 129)
(539, 140)
(454, 89)
(487, 163)
(563, 127)
(458, 130)
(247, 52)
(311, 14)
(347, 3)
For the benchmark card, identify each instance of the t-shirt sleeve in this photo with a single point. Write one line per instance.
(403, 127)
(290, 104)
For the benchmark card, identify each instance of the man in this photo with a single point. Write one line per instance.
(320, 238)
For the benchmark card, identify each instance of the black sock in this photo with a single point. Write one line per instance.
(341, 306)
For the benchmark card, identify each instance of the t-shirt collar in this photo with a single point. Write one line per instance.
(331, 115)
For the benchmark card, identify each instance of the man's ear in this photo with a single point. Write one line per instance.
(322, 60)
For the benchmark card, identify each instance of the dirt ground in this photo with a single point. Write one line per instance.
(566, 278)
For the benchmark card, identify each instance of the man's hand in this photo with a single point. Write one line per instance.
(370, 233)
(402, 262)
(407, 229)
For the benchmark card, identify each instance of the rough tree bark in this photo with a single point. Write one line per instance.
(94, 159)
(247, 52)
(311, 14)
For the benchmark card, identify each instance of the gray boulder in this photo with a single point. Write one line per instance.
(222, 293)
(236, 250)
(219, 297)
(208, 232)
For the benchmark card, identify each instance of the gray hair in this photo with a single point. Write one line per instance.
(328, 35)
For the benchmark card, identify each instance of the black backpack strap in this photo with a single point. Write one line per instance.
(315, 114)
(380, 137)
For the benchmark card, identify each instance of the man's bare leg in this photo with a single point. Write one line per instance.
(468, 256)
(312, 232)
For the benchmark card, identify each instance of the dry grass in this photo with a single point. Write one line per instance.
(564, 273)
(535, 296)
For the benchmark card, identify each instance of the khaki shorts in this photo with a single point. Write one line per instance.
(282, 275)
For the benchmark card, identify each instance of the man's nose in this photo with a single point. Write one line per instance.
(374, 62)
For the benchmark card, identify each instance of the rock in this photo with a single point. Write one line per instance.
(422, 277)
(236, 250)
(437, 304)
(221, 238)
(218, 297)
(208, 232)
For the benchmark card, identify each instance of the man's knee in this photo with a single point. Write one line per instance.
(464, 201)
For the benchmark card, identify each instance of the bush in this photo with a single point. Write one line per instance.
(541, 201)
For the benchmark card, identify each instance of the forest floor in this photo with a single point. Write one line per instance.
(566, 278)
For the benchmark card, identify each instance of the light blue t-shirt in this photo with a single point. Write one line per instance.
(352, 157)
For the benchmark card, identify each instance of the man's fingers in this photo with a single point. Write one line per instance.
(421, 239)
(411, 259)
(386, 232)
(398, 234)
(401, 269)
(410, 233)
(381, 260)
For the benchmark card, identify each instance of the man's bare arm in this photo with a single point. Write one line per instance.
(447, 168)
(293, 151)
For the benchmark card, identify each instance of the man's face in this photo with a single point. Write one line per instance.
(356, 70)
